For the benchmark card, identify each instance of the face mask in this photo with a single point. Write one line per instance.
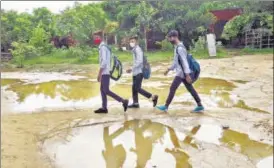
(132, 44)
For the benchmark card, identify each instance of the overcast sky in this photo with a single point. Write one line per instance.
(28, 6)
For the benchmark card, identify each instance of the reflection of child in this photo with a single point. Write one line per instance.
(114, 156)
(180, 156)
(144, 144)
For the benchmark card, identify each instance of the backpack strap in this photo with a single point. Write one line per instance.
(134, 52)
(106, 47)
(179, 57)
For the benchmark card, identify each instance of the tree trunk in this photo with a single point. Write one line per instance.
(115, 39)
(145, 38)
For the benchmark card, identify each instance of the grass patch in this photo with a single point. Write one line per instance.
(252, 51)
(203, 54)
(67, 56)
(63, 57)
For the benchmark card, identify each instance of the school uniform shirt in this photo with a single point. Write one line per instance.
(137, 60)
(104, 59)
(176, 66)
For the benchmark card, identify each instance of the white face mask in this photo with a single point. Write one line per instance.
(132, 44)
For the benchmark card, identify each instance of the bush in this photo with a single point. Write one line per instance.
(200, 49)
(200, 44)
(40, 39)
(165, 45)
(82, 53)
(21, 51)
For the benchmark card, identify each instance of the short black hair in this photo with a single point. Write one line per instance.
(134, 37)
(173, 33)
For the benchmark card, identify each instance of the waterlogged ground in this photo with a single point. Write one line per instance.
(47, 117)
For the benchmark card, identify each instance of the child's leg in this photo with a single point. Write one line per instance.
(139, 80)
(105, 80)
(103, 95)
(193, 92)
(175, 84)
(134, 90)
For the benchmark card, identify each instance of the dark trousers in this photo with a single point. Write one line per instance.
(175, 84)
(137, 88)
(106, 92)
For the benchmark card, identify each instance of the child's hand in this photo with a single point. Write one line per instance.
(188, 79)
(166, 72)
(99, 78)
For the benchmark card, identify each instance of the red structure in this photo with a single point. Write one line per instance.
(223, 16)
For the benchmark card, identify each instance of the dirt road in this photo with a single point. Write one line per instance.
(47, 119)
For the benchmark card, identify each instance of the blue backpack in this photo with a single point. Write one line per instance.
(194, 66)
(146, 67)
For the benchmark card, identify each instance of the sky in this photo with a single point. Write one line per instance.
(28, 6)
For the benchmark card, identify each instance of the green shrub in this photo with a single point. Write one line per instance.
(165, 45)
(200, 44)
(22, 51)
(81, 53)
(40, 40)
(200, 49)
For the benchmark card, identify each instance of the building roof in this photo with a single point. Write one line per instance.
(227, 14)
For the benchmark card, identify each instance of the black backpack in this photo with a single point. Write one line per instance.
(117, 67)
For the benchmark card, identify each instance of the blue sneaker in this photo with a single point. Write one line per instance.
(198, 109)
(162, 108)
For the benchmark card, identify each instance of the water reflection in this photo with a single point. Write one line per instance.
(239, 142)
(135, 143)
(114, 155)
(81, 93)
(143, 143)
(67, 90)
(180, 156)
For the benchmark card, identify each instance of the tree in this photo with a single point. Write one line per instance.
(262, 12)
(111, 28)
(40, 40)
(45, 19)
(81, 21)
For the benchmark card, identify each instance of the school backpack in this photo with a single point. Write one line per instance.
(194, 66)
(117, 68)
(146, 66)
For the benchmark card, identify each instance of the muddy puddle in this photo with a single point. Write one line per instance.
(33, 94)
(144, 143)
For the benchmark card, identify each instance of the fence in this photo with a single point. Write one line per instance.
(259, 38)
(5, 57)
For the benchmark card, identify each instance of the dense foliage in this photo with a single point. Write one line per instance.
(29, 34)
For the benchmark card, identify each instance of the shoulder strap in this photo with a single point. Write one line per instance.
(109, 51)
(106, 47)
(179, 57)
(180, 45)
(134, 51)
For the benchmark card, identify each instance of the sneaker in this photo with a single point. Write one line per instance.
(162, 108)
(101, 110)
(125, 105)
(155, 100)
(134, 105)
(198, 109)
